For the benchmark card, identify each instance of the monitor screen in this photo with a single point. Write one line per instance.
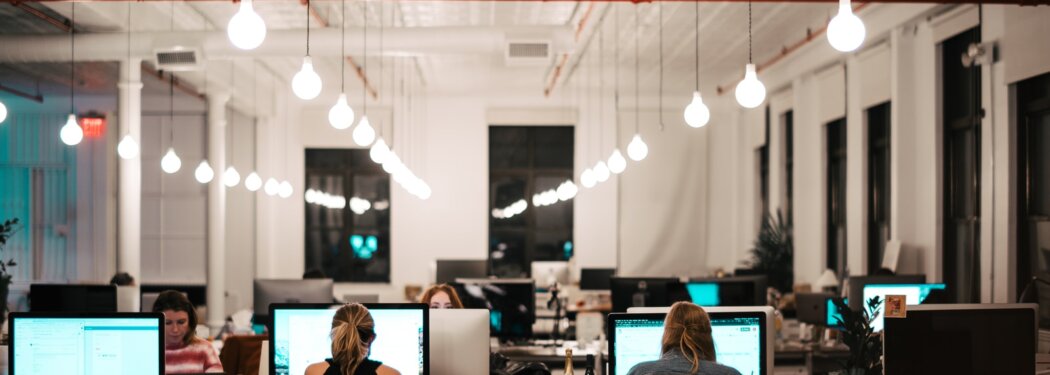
(86, 344)
(511, 304)
(596, 278)
(302, 336)
(738, 337)
(914, 294)
(547, 272)
(962, 339)
(72, 298)
(704, 294)
(739, 290)
(856, 286)
(450, 270)
(630, 292)
(267, 292)
(833, 312)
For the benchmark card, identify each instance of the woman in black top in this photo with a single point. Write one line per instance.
(353, 331)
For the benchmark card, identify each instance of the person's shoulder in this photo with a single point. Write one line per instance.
(317, 368)
(387, 370)
(714, 368)
(646, 368)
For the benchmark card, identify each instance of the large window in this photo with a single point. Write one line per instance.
(878, 184)
(523, 163)
(788, 119)
(347, 216)
(960, 90)
(1034, 184)
(836, 196)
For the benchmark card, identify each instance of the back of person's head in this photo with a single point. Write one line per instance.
(352, 333)
(453, 297)
(688, 330)
(314, 273)
(176, 301)
(122, 279)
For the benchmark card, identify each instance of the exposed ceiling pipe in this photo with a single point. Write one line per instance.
(188, 89)
(60, 24)
(404, 41)
(565, 56)
(36, 98)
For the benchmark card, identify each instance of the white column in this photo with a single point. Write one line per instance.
(129, 195)
(216, 297)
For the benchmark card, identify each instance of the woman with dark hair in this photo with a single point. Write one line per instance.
(353, 332)
(184, 352)
(687, 345)
(441, 296)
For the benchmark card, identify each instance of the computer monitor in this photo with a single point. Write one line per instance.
(271, 291)
(813, 308)
(630, 292)
(742, 339)
(72, 298)
(962, 339)
(857, 283)
(86, 343)
(460, 337)
(546, 272)
(731, 291)
(914, 294)
(704, 294)
(448, 270)
(511, 304)
(596, 278)
(198, 294)
(301, 335)
(833, 317)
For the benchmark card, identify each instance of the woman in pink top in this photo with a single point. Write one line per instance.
(184, 352)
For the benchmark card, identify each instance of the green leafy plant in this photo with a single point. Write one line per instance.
(7, 229)
(774, 252)
(865, 346)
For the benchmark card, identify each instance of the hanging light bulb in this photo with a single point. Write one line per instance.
(637, 149)
(617, 164)
(231, 178)
(341, 116)
(601, 171)
(379, 151)
(364, 134)
(71, 132)
(204, 173)
(253, 182)
(587, 178)
(271, 187)
(246, 29)
(846, 30)
(696, 113)
(3, 112)
(171, 162)
(128, 148)
(424, 191)
(306, 84)
(285, 189)
(750, 92)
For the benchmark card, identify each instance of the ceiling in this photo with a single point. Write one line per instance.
(723, 43)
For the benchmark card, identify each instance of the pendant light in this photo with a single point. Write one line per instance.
(341, 116)
(246, 29)
(171, 163)
(128, 148)
(204, 174)
(271, 186)
(3, 112)
(306, 84)
(364, 134)
(696, 113)
(750, 92)
(846, 30)
(253, 182)
(71, 133)
(637, 150)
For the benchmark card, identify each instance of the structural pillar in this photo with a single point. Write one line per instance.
(129, 196)
(216, 296)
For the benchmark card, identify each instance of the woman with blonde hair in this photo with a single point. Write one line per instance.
(441, 296)
(687, 345)
(353, 332)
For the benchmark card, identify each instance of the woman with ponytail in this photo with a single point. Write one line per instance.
(687, 345)
(353, 331)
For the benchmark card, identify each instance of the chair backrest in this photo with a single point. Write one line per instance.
(241, 354)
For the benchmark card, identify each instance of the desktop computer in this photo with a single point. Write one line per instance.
(729, 291)
(914, 294)
(630, 292)
(856, 286)
(267, 292)
(72, 298)
(301, 335)
(511, 304)
(460, 339)
(86, 344)
(547, 272)
(448, 270)
(596, 278)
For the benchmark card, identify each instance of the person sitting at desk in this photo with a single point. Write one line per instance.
(441, 296)
(353, 332)
(184, 352)
(687, 345)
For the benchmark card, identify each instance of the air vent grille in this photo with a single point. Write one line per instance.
(177, 57)
(528, 50)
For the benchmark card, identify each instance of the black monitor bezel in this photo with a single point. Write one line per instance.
(759, 282)
(438, 279)
(531, 304)
(382, 306)
(610, 329)
(100, 287)
(84, 315)
(608, 280)
(665, 281)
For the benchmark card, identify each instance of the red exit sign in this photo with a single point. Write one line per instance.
(94, 127)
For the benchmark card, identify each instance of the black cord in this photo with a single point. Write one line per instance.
(749, 61)
(307, 27)
(697, 49)
(661, 93)
(342, 50)
(72, 56)
(171, 108)
(637, 41)
(364, 55)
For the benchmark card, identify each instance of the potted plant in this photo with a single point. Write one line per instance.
(865, 346)
(7, 229)
(774, 253)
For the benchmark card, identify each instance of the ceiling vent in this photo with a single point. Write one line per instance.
(528, 53)
(178, 59)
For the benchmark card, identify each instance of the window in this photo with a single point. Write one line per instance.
(347, 216)
(878, 184)
(960, 90)
(524, 162)
(788, 119)
(763, 174)
(836, 196)
(1034, 184)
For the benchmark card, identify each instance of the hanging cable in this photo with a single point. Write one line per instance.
(749, 61)
(72, 54)
(342, 48)
(637, 41)
(660, 95)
